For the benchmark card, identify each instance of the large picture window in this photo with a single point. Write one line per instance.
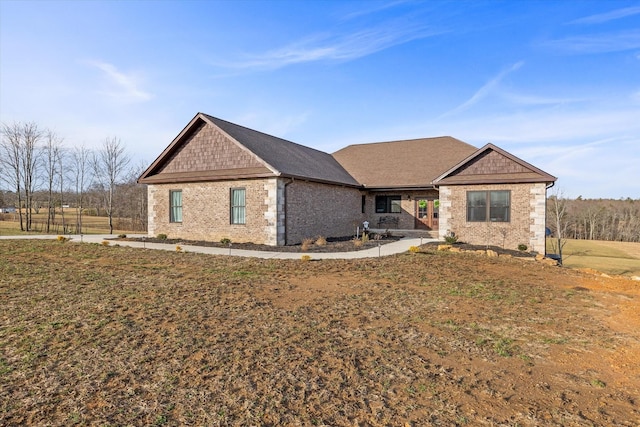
(238, 206)
(175, 206)
(388, 204)
(493, 206)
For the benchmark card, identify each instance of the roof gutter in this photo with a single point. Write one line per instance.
(405, 188)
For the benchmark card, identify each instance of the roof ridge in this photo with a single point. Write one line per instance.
(405, 140)
(263, 133)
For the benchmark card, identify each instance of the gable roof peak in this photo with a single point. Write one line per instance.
(457, 174)
(281, 157)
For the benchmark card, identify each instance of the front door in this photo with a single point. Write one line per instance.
(426, 213)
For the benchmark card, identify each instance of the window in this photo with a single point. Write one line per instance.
(476, 206)
(238, 205)
(388, 204)
(364, 203)
(494, 206)
(175, 206)
(500, 206)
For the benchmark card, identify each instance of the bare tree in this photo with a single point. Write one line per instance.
(31, 136)
(110, 164)
(61, 160)
(558, 222)
(80, 157)
(133, 198)
(10, 154)
(52, 156)
(20, 147)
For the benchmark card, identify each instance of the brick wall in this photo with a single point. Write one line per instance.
(527, 223)
(206, 211)
(314, 209)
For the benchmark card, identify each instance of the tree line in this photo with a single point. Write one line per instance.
(591, 219)
(38, 172)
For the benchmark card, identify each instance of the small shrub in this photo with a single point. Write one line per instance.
(162, 236)
(105, 243)
(414, 249)
(522, 247)
(122, 236)
(178, 248)
(306, 258)
(357, 243)
(63, 239)
(365, 238)
(225, 241)
(306, 244)
(321, 241)
(451, 238)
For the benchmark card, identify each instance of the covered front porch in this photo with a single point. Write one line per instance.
(411, 212)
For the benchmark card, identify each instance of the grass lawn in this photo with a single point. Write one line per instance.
(622, 258)
(108, 335)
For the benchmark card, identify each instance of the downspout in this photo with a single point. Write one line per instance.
(545, 215)
(284, 208)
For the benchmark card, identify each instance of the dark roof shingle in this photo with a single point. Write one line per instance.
(288, 158)
(407, 163)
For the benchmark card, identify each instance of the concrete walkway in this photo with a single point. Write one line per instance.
(396, 247)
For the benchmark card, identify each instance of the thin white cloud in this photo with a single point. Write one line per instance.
(591, 169)
(553, 125)
(484, 91)
(596, 43)
(608, 16)
(122, 86)
(342, 47)
(532, 100)
(375, 8)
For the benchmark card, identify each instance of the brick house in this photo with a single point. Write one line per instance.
(220, 180)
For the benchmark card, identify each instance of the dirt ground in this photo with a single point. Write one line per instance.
(94, 335)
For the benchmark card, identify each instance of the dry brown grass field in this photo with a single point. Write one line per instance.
(619, 258)
(10, 224)
(108, 335)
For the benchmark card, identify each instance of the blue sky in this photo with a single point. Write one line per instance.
(555, 83)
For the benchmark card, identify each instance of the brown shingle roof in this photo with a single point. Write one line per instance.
(267, 156)
(288, 158)
(408, 163)
(415, 163)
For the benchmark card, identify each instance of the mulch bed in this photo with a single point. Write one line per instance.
(340, 244)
